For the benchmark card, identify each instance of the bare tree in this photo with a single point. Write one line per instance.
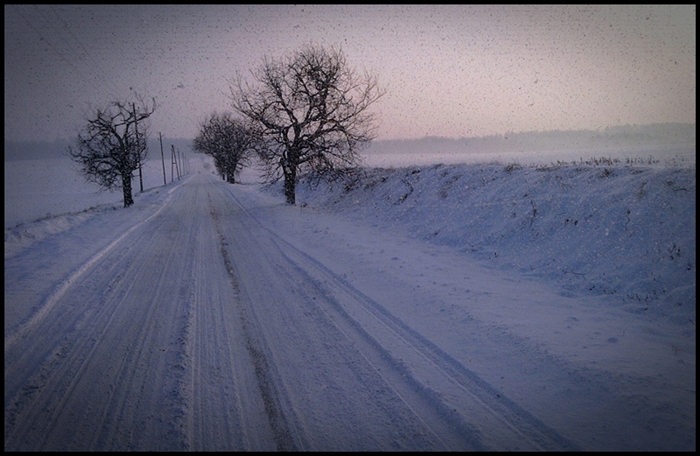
(230, 141)
(113, 145)
(311, 111)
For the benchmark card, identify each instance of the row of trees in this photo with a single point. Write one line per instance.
(231, 142)
(308, 111)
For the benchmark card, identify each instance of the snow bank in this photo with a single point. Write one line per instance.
(601, 229)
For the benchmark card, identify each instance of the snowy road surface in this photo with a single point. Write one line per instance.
(215, 317)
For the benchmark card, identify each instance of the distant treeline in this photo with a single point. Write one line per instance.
(33, 150)
(618, 137)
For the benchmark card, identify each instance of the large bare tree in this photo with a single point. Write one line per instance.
(113, 145)
(312, 112)
(230, 141)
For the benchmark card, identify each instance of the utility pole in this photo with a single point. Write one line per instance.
(138, 146)
(179, 163)
(162, 157)
(177, 159)
(173, 162)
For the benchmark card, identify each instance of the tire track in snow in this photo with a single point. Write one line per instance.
(68, 352)
(440, 427)
(79, 349)
(143, 356)
(64, 369)
(69, 361)
(280, 428)
(360, 318)
(514, 417)
(21, 331)
(222, 414)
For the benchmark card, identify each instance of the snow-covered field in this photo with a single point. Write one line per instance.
(480, 306)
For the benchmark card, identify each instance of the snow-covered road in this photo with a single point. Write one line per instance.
(215, 317)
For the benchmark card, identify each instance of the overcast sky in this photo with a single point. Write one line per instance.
(453, 71)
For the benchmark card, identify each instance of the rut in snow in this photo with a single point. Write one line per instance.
(278, 422)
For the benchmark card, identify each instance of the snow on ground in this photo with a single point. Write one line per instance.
(627, 232)
(461, 306)
(46, 188)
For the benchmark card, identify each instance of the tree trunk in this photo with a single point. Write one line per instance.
(231, 171)
(290, 183)
(126, 187)
(140, 176)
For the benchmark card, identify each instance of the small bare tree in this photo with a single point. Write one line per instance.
(311, 111)
(113, 145)
(230, 141)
